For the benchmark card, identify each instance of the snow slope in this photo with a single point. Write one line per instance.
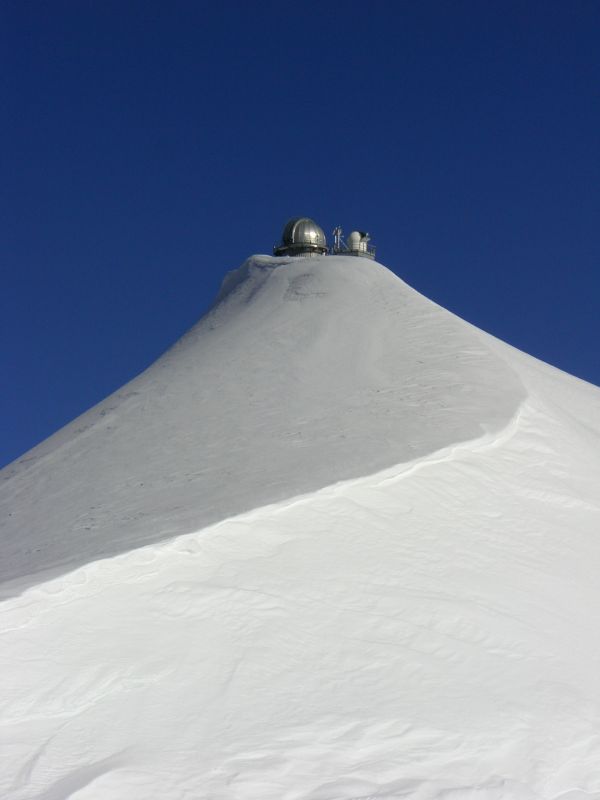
(303, 374)
(336, 543)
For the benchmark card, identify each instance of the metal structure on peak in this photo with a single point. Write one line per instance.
(303, 237)
(357, 244)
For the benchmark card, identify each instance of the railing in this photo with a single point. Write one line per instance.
(344, 250)
(366, 250)
(300, 248)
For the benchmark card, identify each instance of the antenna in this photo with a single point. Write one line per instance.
(338, 241)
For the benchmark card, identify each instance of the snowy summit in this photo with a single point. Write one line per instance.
(336, 544)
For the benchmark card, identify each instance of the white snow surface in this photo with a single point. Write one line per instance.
(336, 544)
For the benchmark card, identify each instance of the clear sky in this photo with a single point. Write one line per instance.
(149, 147)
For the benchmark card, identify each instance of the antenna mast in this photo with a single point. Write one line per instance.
(338, 241)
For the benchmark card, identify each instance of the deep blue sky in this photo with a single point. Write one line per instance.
(149, 147)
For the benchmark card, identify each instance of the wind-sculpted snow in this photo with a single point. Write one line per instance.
(397, 595)
(428, 632)
(306, 372)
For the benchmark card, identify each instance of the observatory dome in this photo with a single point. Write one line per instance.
(301, 237)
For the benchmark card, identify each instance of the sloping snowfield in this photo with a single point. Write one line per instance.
(337, 544)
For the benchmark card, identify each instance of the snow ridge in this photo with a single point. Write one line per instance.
(305, 373)
(410, 612)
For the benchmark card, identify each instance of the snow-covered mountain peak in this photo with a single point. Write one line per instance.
(307, 371)
(336, 544)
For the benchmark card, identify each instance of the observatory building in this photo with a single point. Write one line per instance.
(303, 237)
(357, 244)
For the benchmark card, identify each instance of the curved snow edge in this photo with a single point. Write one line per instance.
(390, 475)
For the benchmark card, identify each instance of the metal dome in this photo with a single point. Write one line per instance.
(301, 236)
